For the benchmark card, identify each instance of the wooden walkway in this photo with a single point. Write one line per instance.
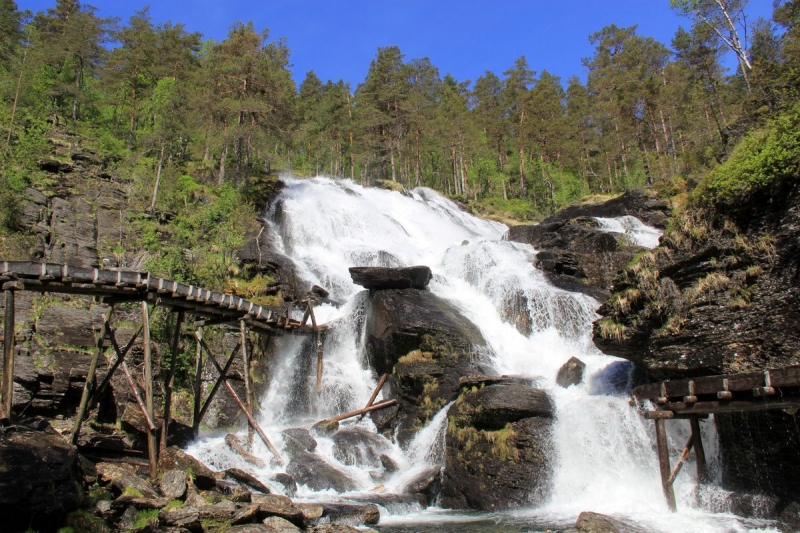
(698, 397)
(118, 286)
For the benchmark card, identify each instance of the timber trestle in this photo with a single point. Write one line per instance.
(697, 398)
(118, 286)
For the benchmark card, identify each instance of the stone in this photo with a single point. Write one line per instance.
(222, 510)
(571, 372)
(287, 482)
(589, 522)
(185, 517)
(247, 479)
(426, 484)
(324, 428)
(494, 406)
(360, 447)
(311, 512)
(40, 480)
(73, 233)
(312, 470)
(281, 506)
(335, 528)
(276, 524)
(175, 458)
(299, 440)
(353, 514)
(173, 484)
(383, 278)
(124, 480)
(789, 519)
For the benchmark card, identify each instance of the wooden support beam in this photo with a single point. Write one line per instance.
(138, 398)
(248, 392)
(250, 419)
(198, 381)
(8, 354)
(374, 407)
(121, 353)
(174, 348)
(663, 463)
(378, 388)
(90, 375)
(699, 451)
(234, 444)
(681, 460)
(319, 364)
(220, 379)
(152, 440)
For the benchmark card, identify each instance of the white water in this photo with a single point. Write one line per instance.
(632, 228)
(605, 460)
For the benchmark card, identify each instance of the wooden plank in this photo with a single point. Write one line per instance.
(168, 385)
(663, 464)
(734, 406)
(681, 460)
(152, 441)
(90, 374)
(699, 451)
(248, 392)
(320, 363)
(8, 354)
(219, 381)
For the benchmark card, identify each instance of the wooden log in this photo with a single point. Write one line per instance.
(699, 451)
(234, 444)
(89, 383)
(137, 397)
(663, 463)
(659, 415)
(121, 353)
(311, 314)
(319, 364)
(218, 383)
(8, 354)
(176, 340)
(378, 388)
(243, 408)
(681, 460)
(248, 393)
(374, 407)
(152, 441)
(198, 381)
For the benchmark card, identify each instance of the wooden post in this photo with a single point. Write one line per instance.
(176, 341)
(375, 407)
(8, 355)
(198, 382)
(699, 451)
(250, 419)
(378, 388)
(121, 353)
(218, 383)
(319, 364)
(152, 441)
(248, 393)
(90, 374)
(663, 463)
(681, 460)
(136, 396)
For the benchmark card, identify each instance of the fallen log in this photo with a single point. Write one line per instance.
(377, 390)
(235, 445)
(375, 407)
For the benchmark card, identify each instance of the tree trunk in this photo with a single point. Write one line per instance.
(158, 178)
(222, 159)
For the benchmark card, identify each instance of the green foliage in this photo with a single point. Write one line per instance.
(760, 162)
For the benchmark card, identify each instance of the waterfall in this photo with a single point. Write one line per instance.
(605, 459)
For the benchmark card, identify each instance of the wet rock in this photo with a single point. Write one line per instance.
(359, 446)
(394, 503)
(287, 482)
(589, 522)
(39, 480)
(571, 372)
(380, 278)
(247, 479)
(325, 428)
(312, 470)
(353, 514)
(389, 464)
(789, 519)
(298, 440)
(495, 406)
(426, 484)
(173, 484)
(175, 458)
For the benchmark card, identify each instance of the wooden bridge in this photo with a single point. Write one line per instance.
(696, 398)
(117, 286)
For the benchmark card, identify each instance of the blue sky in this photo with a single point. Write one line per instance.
(338, 38)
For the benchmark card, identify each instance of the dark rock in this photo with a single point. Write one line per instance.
(40, 480)
(287, 482)
(139, 502)
(311, 470)
(173, 484)
(495, 406)
(359, 446)
(175, 458)
(124, 480)
(247, 479)
(247, 528)
(298, 440)
(389, 464)
(73, 233)
(789, 519)
(571, 372)
(426, 484)
(186, 517)
(221, 511)
(353, 514)
(394, 503)
(325, 428)
(589, 522)
(380, 278)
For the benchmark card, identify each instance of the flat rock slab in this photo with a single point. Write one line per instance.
(173, 484)
(382, 278)
(174, 458)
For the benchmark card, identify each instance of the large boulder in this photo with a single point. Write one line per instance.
(40, 480)
(498, 449)
(425, 344)
(380, 278)
(313, 471)
(359, 446)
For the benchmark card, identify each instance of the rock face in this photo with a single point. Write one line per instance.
(575, 254)
(571, 372)
(425, 345)
(498, 451)
(40, 480)
(378, 279)
(718, 296)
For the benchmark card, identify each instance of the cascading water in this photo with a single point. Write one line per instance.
(605, 460)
